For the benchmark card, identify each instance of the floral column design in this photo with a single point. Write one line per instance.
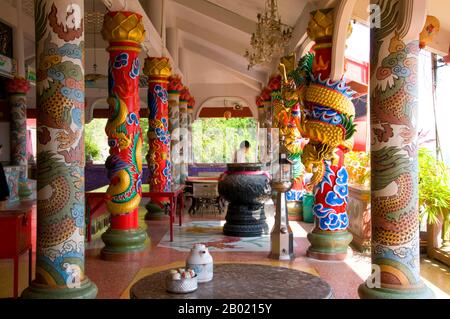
(60, 152)
(394, 159)
(124, 239)
(175, 87)
(17, 89)
(327, 121)
(190, 115)
(158, 71)
(184, 98)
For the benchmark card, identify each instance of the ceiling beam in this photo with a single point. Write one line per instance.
(223, 60)
(203, 33)
(220, 14)
(299, 31)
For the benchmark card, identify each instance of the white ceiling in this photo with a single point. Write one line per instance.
(204, 70)
(289, 10)
(214, 34)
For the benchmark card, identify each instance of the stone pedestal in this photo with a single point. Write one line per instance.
(358, 210)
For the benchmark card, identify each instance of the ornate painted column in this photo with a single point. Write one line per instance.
(190, 115)
(184, 98)
(158, 71)
(60, 152)
(263, 152)
(174, 90)
(286, 115)
(327, 121)
(394, 159)
(266, 109)
(261, 111)
(124, 240)
(17, 89)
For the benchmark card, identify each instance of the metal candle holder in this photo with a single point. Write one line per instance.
(281, 236)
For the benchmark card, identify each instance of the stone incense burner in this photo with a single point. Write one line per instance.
(246, 187)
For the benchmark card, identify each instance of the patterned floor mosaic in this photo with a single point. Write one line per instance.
(210, 234)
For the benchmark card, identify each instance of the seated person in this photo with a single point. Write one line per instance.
(241, 155)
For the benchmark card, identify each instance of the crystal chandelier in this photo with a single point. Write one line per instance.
(270, 38)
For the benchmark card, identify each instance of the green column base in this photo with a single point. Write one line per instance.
(295, 210)
(384, 293)
(24, 191)
(329, 245)
(154, 212)
(88, 290)
(124, 244)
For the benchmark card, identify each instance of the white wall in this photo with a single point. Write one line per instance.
(205, 91)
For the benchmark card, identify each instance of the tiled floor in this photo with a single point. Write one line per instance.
(115, 278)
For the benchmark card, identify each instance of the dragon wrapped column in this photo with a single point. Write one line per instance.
(158, 71)
(17, 89)
(60, 251)
(184, 100)
(190, 117)
(327, 121)
(174, 89)
(285, 115)
(394, 158)
(124, 240)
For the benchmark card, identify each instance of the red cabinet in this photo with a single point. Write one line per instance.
(15, 239)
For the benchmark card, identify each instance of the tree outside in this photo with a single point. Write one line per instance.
(216, 139)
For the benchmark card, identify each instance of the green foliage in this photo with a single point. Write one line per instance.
(434, 187)
(216, 139)
(96, 141)
(358, 168)
(91, 149)
(144, 127)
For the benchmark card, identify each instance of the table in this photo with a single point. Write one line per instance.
(206, 181)
(174, 194)
(15, 238)
(241, 281)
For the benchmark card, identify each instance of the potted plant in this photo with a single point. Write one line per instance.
(358, 209)
(434, 195)
(434, 187)
(92, 151)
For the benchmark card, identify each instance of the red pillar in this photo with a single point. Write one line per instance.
(124, 239)
(158, 70)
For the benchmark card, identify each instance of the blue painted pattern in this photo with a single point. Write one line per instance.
(121, 60)
(326, 115)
